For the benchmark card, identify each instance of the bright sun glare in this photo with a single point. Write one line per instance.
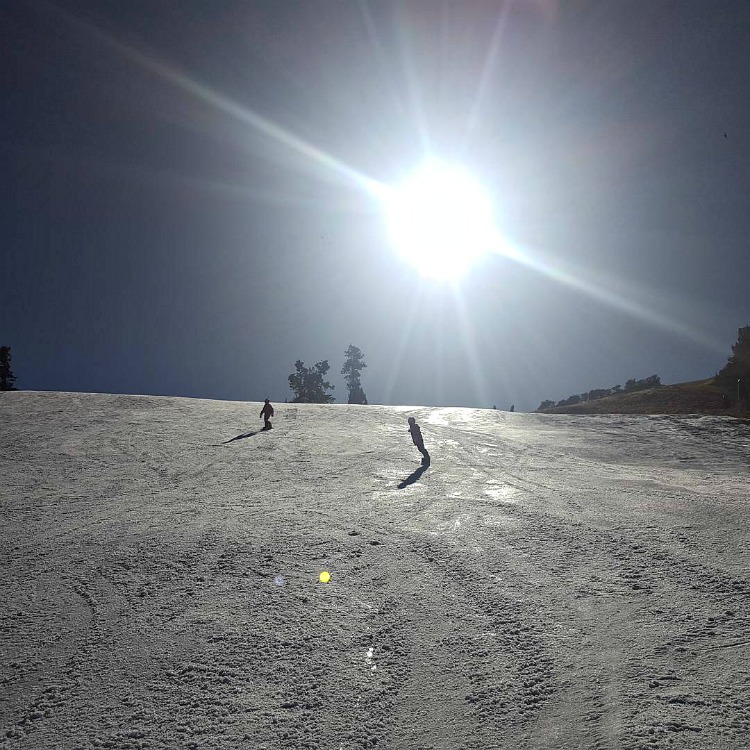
(441, 220)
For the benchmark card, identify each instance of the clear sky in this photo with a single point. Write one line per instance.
(190, 193)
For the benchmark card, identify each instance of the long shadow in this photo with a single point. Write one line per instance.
(242, 437)
(414, 476)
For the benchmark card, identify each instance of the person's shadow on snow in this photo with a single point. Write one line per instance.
(414, 476)
(245, 435)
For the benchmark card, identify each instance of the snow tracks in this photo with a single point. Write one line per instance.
(548, 582)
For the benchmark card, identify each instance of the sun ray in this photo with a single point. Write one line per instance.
(601, 289)
(484, 81)
(439, 348)
(403, 343)
(468, 339)
(230, 107)
(629, 300)
(411, 77)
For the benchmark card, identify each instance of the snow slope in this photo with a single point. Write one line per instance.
(549, 582)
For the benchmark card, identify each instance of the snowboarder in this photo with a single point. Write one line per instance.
(416, 436)
(512, 407)
(267, 412)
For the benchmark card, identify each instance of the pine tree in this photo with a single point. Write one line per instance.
(353, 365)
(308, 384)
(7, 378)
(737, 368)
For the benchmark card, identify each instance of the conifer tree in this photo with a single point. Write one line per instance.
(353, 365)
(7, 378)
(308, 384)
(734, 377)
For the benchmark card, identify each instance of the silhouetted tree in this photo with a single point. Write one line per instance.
(308, 384)
(353, 365)
(546, 404)
(738, 366)
(652, 381)
(7, 378)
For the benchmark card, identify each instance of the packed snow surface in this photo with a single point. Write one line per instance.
(548, 582)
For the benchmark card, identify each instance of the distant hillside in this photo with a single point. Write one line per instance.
(696, 397)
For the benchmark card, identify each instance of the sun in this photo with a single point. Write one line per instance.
(440, 219)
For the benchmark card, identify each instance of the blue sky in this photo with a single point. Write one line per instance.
(185, 205)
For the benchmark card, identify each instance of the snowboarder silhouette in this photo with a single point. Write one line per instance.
(416, 436)
(267, 412)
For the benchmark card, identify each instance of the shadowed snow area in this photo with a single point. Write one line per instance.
(547, 582)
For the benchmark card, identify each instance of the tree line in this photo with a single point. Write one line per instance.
(733, 379)
(309, 386)
(652, 381)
